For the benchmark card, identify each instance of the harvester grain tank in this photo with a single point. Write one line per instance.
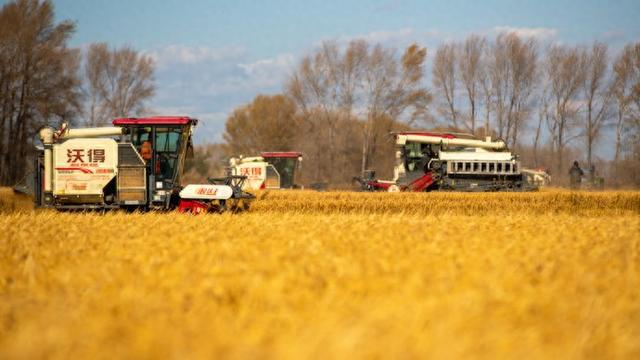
(136, 164)
(427, 161)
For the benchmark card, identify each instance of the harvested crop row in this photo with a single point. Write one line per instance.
(555, 201)
(310, 202)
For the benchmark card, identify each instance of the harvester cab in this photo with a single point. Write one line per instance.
(427, 161)
(163, 144)
(137, 163)
(270, 170)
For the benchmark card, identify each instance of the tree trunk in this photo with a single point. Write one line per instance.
(514, 138)
(618, 136)
(332, 155)
(536, 140)
(453, 114)
(560, 147)
(589, 152)
(473, 116)
(589, 131)
(365, 146)
(487, 125)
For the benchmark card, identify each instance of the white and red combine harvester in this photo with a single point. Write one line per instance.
(270, 170)
(427, 161)
(136, 164)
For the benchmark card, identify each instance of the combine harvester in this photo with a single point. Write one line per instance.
(136, 164)
(270, 170)
(427, 161)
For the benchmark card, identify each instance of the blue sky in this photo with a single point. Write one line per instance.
(213, 56)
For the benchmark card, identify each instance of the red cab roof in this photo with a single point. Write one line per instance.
(156, 120)
(281, 154)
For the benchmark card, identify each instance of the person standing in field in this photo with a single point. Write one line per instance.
(575, 175)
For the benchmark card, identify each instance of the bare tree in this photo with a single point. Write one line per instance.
(39, 84)
(543, 118)
(525, 83)
(390, 89)
(634, 135)
(471, 73)
(119, 82)
(623, 74)
(512, 73)
(324, 89)
(444, 81)
(487, 88)
(498, 69)
(96, 59)
(565, 73)
(634, 119)
(333, 87)
(597, 94)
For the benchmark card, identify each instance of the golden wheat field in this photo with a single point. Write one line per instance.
(552, 274)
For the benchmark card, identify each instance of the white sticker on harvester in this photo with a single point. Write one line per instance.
(206, 192)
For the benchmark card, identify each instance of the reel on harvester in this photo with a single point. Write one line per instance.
(240, 200)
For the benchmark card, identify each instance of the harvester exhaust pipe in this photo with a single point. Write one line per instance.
(90, 132)
(485, 144)
(46, 136)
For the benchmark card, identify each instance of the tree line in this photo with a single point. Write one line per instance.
(558, 94)
(549, 103)
(339, 107)
(44, 82)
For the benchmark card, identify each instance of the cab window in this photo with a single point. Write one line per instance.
(412, 156)
(166, 146)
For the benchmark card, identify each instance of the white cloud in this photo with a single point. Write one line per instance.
(208, 83)
(394, 38)
(278, 62)
(616, 39)
(385, 36)
(613, 35)
(270, 72)
(539, 33)
(397, 39)
(179, 54)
